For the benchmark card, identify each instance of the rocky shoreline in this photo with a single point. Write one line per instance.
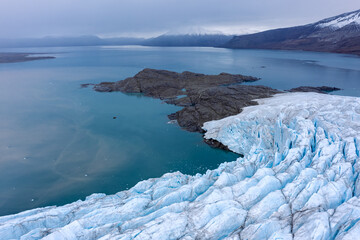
(203, 97)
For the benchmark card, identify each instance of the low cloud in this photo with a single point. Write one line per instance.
(36, 18)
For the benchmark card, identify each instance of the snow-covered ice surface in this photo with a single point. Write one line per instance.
(298, 179)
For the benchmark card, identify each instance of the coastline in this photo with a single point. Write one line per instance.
(21, 57)
(351, 53)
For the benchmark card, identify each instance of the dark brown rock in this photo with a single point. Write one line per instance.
(214, 103)
(164, 84)
(322, 89)
(85, 85)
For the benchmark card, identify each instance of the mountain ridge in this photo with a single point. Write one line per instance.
(339, 34)
(187, 40)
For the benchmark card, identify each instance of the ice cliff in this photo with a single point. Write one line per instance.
(298, 180)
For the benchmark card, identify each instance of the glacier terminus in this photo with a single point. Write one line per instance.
(298, 179)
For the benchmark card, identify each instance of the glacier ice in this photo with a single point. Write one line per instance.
(298, 179)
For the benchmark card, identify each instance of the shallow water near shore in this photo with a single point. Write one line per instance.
(60, 142)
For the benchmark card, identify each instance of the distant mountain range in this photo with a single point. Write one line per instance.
(176, 40)
(340, 34)
(199, 40)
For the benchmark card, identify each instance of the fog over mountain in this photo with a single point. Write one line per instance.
(143, 18)
(85, 40)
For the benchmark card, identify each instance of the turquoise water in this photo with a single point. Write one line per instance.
(60, 143)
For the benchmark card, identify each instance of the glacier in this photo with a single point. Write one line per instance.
(298, 179)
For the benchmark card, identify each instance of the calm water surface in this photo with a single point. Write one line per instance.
(60, 143)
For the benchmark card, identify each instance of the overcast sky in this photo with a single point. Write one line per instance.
(108, 18)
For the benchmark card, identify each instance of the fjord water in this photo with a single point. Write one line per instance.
(60, 142)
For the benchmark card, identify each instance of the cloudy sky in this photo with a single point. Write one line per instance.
(108, 18)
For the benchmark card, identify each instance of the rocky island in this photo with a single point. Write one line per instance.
(203, 97)
(20, 57)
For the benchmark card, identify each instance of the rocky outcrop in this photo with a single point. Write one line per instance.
(164, 84)
(322, 89)
(204, 97)
(216, 103)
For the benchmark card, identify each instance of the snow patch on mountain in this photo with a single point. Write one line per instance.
(341, 21)
(298, 180)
